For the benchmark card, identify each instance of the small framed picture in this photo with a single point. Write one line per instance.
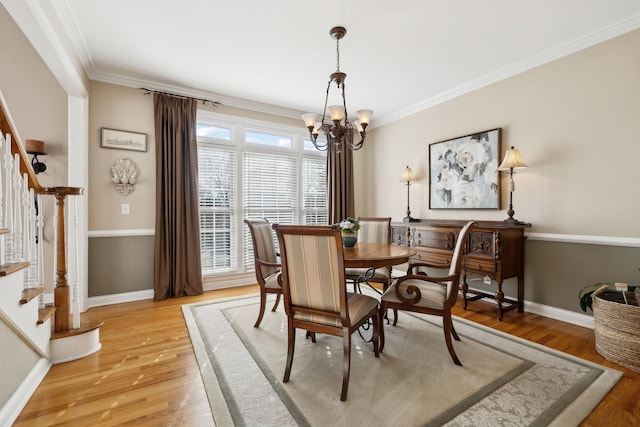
(123, 140)
(464, 172)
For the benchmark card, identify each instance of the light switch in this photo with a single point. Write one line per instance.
(125, 209)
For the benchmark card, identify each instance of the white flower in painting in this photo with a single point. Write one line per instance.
(465, 196)
(471, 156)
(448, 179)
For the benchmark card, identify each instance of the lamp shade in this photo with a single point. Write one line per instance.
(512, 160)
(336, 112)
(408, 175)
(309, 119)
(364, 116)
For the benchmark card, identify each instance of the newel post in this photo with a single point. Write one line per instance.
(61, 291)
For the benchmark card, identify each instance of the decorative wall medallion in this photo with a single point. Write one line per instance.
(124, 174)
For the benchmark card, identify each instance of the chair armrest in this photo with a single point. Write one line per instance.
(401, 290)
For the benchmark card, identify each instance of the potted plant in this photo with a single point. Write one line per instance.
(586, 293)
(348, 228)
(585, 296)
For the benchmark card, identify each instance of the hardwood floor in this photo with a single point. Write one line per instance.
(146, 373)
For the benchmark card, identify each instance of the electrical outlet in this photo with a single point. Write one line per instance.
(126, 210)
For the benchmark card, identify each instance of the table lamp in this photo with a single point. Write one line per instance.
(408, 177)
(512, 160)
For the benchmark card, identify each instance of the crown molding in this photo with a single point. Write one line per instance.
(224, 99)
(630, 24)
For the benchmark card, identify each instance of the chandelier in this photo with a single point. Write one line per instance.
(340, 132)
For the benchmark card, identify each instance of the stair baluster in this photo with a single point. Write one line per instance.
(17, 217)
(8, 206)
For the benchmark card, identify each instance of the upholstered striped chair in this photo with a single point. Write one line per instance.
(315, 295)
(266, 263)
(372, 230)
(420, 293)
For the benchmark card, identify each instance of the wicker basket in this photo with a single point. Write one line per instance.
(617, 329)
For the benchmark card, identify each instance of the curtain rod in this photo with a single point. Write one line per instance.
(204, 101)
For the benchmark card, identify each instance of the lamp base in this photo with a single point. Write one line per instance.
(513, 221)
(410, 219)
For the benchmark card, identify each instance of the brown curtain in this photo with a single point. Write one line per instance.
(177, 267)
(340, 184)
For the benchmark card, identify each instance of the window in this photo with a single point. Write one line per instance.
(253, 169)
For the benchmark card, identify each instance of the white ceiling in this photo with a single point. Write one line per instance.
(400, 56)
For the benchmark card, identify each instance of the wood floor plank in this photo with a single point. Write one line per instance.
(146, 373)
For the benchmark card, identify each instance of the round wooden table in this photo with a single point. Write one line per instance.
(376, 255)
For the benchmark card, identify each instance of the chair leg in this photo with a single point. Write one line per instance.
(383, 309)
(311, 335)
(447, 326)
(346, 350)
(454, 333)
(290, 348)
(395, 312)
(275, 305)
(377, 325)
(263, 303)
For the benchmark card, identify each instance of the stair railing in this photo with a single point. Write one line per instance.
(18, 216)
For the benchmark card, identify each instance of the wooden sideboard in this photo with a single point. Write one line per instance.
(495, 249)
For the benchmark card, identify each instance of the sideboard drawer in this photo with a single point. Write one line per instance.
(434, 238)
(480, 266)
(433, 258)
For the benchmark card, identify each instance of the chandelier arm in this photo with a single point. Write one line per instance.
(344, 104)
(326, 100)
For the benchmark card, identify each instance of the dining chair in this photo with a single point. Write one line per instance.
(266, 263)
(315, 294)
(372, 230)
(418, 292)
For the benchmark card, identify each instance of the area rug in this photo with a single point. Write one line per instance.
(505, 381)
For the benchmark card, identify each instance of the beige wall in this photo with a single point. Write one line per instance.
(125, 108)
(575, 122)
(118, 107)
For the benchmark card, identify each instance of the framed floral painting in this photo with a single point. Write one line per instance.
(463, 172)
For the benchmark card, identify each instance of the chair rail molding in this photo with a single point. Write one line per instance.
(631, 242)
(123, 232)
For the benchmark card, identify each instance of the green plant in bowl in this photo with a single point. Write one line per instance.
(586, 293)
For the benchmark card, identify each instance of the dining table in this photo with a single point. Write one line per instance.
(376, 255)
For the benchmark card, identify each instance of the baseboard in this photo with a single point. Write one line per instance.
(209, 284)
(18, 400)
(554, 313)
(222, 282)
(119, 298)
(561, 314)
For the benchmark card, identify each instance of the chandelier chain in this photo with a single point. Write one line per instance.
(338, 54)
